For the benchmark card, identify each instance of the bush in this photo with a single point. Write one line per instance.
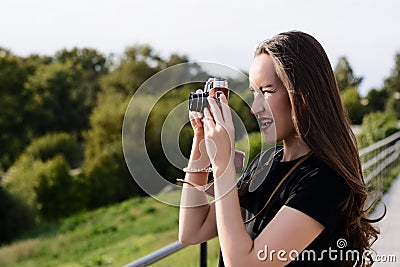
(352, 105)
(106, 178)
(55, 189)
(45, 187)
(40, 177)
(16, 217)
(20, 180)
(53, 144)
(377, 126)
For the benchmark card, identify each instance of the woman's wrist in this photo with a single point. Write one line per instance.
(197, 138)
(220, 170)
(197, 164)
(222, 166)
(198, 155)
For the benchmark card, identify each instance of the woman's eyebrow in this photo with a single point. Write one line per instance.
(266, 86)
(251, 88)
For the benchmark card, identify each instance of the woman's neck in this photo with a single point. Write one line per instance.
(294, 148)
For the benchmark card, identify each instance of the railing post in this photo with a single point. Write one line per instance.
(203, 254)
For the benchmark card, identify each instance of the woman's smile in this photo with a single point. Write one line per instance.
(265, 123)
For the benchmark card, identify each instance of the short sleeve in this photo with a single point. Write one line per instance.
(320, 194)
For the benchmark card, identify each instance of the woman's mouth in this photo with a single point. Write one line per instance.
(265, 123)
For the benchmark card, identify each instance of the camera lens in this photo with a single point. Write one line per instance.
(198, 101)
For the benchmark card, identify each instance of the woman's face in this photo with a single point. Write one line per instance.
(271, 102)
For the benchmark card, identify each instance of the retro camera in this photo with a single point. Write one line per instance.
(214, 87)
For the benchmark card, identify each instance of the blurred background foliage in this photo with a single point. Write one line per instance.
(61, 124)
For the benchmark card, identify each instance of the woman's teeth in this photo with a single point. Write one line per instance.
(266, 123)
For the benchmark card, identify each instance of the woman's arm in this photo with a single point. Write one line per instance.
(196, 216)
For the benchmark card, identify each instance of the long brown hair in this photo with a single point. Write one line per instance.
(320, 120)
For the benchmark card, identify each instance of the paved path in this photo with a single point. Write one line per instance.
(388, 243)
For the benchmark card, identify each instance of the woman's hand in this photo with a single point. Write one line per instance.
(219, 133)
(196, 120)
(198, 155)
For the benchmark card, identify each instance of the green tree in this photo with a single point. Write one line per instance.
(62, 93)
(105, 177)
(15, 134)
(40, 177)
(136, 65)
(57, 102)
(93, 64)
(139, 63)
(376, 100)
(352, 104)
(53, 144)
(392, 88)
(344, 74)
(105, 124)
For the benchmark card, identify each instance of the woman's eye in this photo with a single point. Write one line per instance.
(265, 91)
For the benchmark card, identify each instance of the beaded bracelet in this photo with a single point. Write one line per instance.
(194, 170)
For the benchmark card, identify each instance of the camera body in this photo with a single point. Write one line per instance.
(214, 87)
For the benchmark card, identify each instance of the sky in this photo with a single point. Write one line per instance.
(226, 32)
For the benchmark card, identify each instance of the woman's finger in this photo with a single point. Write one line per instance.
(194, 116)
(196, 121)
(216, 111)
(208, 119)
(226, 110)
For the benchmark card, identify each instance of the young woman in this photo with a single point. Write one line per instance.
(308, 209)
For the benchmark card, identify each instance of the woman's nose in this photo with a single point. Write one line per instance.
(257, 106)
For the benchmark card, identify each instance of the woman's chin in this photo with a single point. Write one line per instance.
(269, 137)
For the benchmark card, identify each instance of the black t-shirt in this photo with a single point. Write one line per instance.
(312, 188)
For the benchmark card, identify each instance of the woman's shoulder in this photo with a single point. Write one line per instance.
(318, 173)
(321, 167)
(318, 191)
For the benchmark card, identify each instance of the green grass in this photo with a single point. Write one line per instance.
(108, 236)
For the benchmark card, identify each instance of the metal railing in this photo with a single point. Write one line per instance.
(165, 252)
(157, 255)
(377, 160)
